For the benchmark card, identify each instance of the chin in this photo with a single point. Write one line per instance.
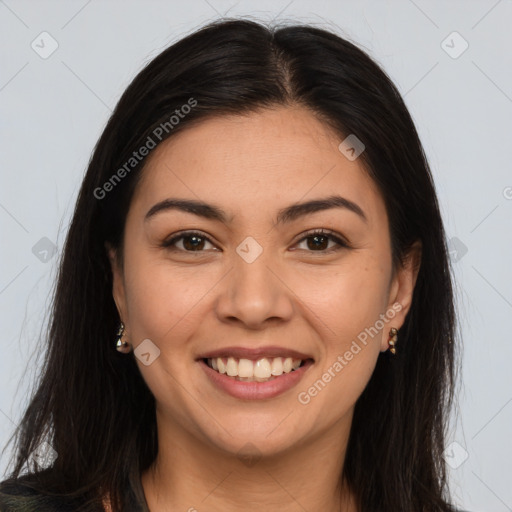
(255, 440)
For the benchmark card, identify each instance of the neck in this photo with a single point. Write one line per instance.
(190, 475)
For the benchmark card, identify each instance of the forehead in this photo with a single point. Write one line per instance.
(248, 163)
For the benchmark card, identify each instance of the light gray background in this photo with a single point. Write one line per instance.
(54, 109)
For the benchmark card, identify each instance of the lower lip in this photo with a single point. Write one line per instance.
(256, 390)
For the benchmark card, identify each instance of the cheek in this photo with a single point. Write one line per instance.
(347, 304)
(163, 300)
(348, 297)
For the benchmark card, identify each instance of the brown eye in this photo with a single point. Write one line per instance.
(191, 242)
(318, 241)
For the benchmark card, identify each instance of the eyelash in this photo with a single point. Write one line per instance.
(314, 232)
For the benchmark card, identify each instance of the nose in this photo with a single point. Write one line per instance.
(255, 294)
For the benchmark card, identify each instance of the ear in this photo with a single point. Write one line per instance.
(401, 290)
(118, 289)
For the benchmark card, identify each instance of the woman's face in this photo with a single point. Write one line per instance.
(249, 283)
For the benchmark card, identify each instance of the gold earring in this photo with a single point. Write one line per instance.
(393, 332)
(122, 346)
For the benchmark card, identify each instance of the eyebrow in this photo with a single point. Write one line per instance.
(288, 214)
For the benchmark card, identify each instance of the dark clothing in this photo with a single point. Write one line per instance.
(16, 496)
(19, 496)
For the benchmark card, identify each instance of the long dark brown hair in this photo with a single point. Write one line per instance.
(92, 405)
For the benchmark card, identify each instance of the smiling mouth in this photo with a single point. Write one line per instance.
(261, 370)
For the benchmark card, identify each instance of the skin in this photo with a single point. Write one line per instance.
(293, 295)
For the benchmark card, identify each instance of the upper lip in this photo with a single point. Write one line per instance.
(255, 353)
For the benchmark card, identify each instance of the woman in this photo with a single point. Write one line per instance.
(259, 237)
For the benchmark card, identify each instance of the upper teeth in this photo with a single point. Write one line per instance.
(262, 368)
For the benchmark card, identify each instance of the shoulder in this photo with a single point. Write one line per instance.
(17, 495)
(20, 495)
